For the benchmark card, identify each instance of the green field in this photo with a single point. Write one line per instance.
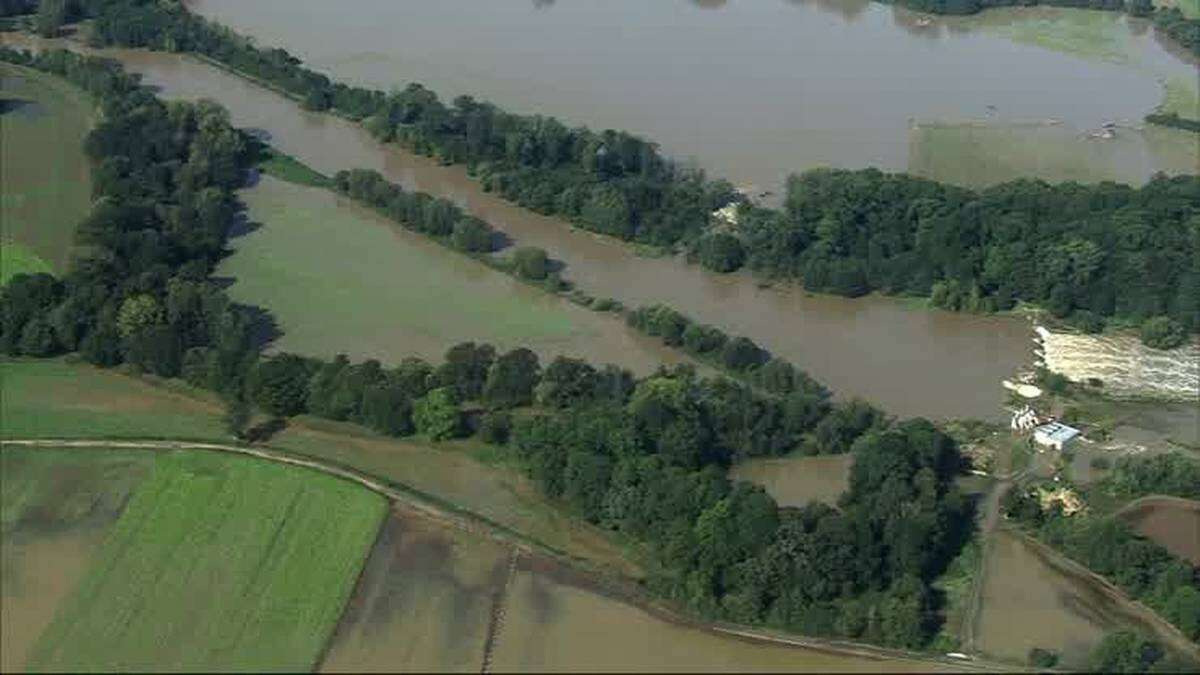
(45, 189)
(57, 399)
(18, 259)
(217, 563)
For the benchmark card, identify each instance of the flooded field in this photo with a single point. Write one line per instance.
(57, 506)
(1172, 523)
(449, 472)
(1031, 600)
(833, 83)
(795, 481)
(911, 362)
(554, 624)
(422, 603)
(342, 279)
(45, 189)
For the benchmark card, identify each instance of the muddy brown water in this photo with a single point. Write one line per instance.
(751, 89)
(796, 481)
(911, 362)
(422, 602)
(1174, 524)
(1032, 600)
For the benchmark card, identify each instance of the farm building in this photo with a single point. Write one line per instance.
(1055, 435)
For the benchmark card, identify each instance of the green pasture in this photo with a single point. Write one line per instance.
(217, 563)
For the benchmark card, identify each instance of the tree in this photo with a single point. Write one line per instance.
(1125, 652)
(1161, 332)
(1042, 658)
(387, 409)
(741, 354)
(466, 369)
(722, 252)
(511, 379)
(51, 16)
(567, 382)
(138, 313)
(437, 416)
(530, 262)
(279, 385)
(495, 427)
(472, 235)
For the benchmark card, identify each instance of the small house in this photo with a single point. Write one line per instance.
(1055, 435)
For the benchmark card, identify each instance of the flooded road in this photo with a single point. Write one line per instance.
(909, 361)
(751, 89)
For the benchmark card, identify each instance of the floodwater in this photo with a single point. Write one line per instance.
(911, 362)
(1031, 600)
(796, 481)
(555, 624)
(46, 187)
(422, 602)
(1172, 523)
(340, 278)
(752, 90)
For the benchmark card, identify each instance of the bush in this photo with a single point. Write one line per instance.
(722, 252)
(1162, 333)
(495, 427)
(472, 235)
(530, 262)
(741, 354)
(437, 415)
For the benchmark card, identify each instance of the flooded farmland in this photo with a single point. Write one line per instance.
(555, 623)
(45, 189)
(832, 83)
(1170, 522)
(911, 362)
(422, 602)
(1031, 599)
(327, 269)
(795, 481)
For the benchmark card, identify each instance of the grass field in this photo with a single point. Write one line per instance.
(19, 259)
(217, 563)
(57, 399)
(340, 278)
(44, 185)
(288, 168)
(56, 505)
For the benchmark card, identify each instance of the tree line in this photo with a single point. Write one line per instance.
(1086, 253)
(646, 457)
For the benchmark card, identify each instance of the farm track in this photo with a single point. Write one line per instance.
(476, 524)
(499, 608)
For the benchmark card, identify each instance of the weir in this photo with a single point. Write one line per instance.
(1127, 367)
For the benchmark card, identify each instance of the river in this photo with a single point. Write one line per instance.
(911, 362)
(755, 89)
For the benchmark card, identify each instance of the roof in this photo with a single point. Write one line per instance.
(1057, 432)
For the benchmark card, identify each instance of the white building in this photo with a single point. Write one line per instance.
(1055, 435)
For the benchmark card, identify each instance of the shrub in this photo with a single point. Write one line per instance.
(530, 262)
(1161, 332)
